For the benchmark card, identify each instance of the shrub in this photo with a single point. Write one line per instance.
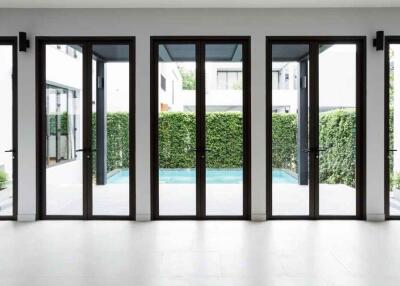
(395, 181)
(337, 134)
(3, 179)
(177, 139)
(284, 128)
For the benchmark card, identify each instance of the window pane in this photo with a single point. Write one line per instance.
(290, 129)
(177, 130)
(64, 130)
(394, 129)
(110, 129)
(6, 132)
(224, 131)
(337, 129)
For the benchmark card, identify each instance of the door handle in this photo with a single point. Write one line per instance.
(9, 151)
(86, 150)
(392, 150)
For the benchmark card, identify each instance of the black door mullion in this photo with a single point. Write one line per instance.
(87, 131)
(313, 132)
(200, 130)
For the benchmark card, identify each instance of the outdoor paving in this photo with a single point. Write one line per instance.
(222, 199)
(64, 196)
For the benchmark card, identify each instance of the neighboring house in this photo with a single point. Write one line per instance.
(224, 83)
(335, 62)
(223, 86)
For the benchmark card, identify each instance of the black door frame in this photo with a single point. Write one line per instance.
(86, 43)
(13, 41)
(388, 40)
(314, 42)
(200, 42)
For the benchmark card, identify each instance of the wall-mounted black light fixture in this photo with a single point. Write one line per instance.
(24, 43)
(379, 41)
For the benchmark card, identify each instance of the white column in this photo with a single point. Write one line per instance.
(143, 208)
(258, 140)
(26, 135)
(375, 133)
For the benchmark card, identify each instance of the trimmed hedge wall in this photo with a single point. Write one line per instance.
(337, 133)
(117, 140)
(177, 139)
(284, 129)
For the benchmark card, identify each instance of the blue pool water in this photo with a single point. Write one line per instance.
(213, 176)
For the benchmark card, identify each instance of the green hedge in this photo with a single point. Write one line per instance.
(337, 133)
(284, 126)
(177, 139)
(117, 140)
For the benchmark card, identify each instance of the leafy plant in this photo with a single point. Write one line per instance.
(224, 139)
(188, 79)
(3, 179)
(396, 181)
(337, 135)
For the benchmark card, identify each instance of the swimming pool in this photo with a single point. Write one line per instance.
(213, 176)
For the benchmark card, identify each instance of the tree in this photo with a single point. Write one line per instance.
(188, 79)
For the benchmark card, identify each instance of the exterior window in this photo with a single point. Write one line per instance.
(163, 83)
(229, 79)
(61, 129)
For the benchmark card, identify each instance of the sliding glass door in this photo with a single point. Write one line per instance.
(315, 127)
(200, 109)
(86, 126)
(8, 132)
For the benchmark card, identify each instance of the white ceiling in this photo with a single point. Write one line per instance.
(195, 3)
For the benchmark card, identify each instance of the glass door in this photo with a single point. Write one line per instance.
(316, 127)
(177, 127)
(8, 142)
(392, 127)
(86, 128)
(200, 139)
(110, 130)
(64, 129)
(290, 129)
(337, 129)
(224, 129)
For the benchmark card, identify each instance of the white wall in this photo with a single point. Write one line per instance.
(256, 23)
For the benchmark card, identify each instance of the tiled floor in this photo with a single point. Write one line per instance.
(323, 253)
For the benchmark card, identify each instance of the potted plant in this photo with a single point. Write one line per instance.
(3, 180)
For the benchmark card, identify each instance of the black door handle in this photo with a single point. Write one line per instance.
(392, 150)
(9, 151)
